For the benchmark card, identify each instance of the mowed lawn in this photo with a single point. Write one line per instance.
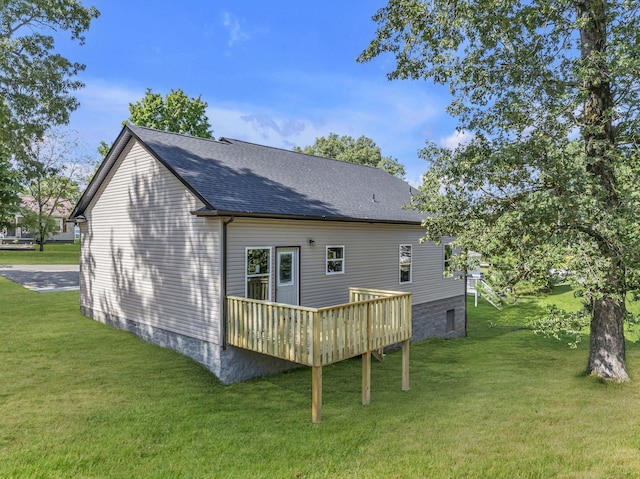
(52, 254)
(82, 400)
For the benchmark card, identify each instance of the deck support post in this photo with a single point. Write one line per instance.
(405, 364)
(316, 394)
(366, 378)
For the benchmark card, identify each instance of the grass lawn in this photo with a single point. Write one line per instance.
(80, 399)
(52, 254)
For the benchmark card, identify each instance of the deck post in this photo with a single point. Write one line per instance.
(405, 364)
(319, 337)
(316, 371)
(316, 394)
(366, 378)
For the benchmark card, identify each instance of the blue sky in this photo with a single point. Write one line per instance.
(278, 73)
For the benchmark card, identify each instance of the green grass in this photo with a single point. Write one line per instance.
(52, 254)
(80, 399)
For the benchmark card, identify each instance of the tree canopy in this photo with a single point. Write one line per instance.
(9, 188)
(363, 151)
(37, 85)
(176, 112)
(550, 92)
(50, 180)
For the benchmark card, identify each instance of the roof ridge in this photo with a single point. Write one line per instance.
(184, 135)
(227, 139)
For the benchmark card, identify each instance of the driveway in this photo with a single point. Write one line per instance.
(44, 278)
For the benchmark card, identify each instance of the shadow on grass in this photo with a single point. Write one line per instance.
(486, 322)
(560, 289)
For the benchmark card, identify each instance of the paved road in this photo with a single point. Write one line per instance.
(44, 278)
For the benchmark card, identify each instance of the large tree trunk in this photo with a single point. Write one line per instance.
(607, 346)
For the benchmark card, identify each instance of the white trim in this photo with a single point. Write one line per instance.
(341, 260)
(410, 263)
(445, 273)
(288, 292)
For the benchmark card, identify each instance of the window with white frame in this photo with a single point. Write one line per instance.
(446, 262)
(405, 263)
(258, 273)
(335, 260)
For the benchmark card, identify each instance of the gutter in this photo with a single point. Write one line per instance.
(344, 219)
(224, 281)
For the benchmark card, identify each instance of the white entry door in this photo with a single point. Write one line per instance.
(287, 287)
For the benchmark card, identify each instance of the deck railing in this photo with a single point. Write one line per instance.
(276, 329)
(318, 337)
(371, 320)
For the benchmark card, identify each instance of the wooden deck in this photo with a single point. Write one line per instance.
(318, 337)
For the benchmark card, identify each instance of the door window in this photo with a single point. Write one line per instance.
(285, 268)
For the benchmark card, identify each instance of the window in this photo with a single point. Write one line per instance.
(258, 273)
(451, 320)
(448, 253)
(405, 263)
(58, 226)
(335, 259)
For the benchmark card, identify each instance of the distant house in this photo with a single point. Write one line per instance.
(172, 226)
(60, 213)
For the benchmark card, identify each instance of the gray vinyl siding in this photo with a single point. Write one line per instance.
(145, 258)
(371, 259)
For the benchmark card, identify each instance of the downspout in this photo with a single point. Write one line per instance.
(224, 281)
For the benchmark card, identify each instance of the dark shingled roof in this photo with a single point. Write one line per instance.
(234, 177)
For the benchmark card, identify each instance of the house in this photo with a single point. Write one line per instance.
(65, 227)
(174, 227)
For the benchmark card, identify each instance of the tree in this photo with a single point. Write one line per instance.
(363, 151)
(549, 89)
(49, 181)
(176, 112)
(36, 85)
(9, 188)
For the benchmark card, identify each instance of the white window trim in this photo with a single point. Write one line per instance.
(445, 273)
(326, 259)
(400, 264)
(246, 275)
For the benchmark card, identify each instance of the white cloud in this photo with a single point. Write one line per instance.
(456, 138)
(108, 97)
(236, 32)
(254, 124)
(399, 117)
(295, 111)
(103, 108)
(265, 124)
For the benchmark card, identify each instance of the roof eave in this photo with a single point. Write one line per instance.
(101, 173)
(343, 219)
(112, 156)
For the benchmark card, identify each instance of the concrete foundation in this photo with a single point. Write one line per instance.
(443, 318)
(430, 319)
